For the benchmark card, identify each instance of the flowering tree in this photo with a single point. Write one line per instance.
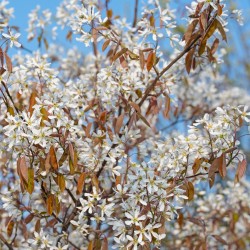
(89, 156)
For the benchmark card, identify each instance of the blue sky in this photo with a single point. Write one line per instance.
(120, 7)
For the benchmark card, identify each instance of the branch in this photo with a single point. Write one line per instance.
(135, 13)
(151, 87)
(6, 242)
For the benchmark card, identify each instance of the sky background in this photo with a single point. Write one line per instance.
(120, 7)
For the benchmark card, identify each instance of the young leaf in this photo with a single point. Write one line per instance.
(223, 166)
(32, 102)
(53, 160)
(105, 44)
(31, 182)
(120, 53)
(80, 183)
(189, 60)
(150, 60)
(119, 123)
(221, 30)
(8, 63)
(10, 227)
(50, 203)
(142, 59)
(61, 182)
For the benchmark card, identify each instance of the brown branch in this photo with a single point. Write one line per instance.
(6, 242)
(135, 13)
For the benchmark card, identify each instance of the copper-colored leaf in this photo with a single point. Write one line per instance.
(142, 59)
(32, 102)
(189, 60)
(31, 182)
(144, 119)
(50, 203)
(22, 171)
(105, 244)
(218, 238)
(105, 44)
(88, 129)
(135, 106)
(53, 160)
(1, 57)
(203, 21)
(80, 183)
(167, 106)
(8, 63)
(38, 226)
(242, 166)
(215, 45)
(221, 30)
(29, 218)
(71, 152)
(123, 62)
(91, 245)
(190, 30)
(150, 60)
(219, 10)
(190, 191)
(223, 166)
(10, 227)
(120, 53)
(202, 47)
(197, 164)
(61, 182)
(152, 21)
(119, 123)
(117, 180)
(109, 13)
(63, 158)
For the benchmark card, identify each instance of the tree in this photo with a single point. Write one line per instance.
(89, 157)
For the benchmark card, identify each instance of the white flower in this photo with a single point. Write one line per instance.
(13, 38)
(134, 218)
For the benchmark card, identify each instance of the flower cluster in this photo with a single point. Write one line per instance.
(85, 162)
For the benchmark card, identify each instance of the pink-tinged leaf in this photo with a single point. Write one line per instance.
(88, 129)
(105, 244)
(80, 183)
(197, 164)
(120, 53)
(105, 44)
(223, 166)
(1, 57)
(215, 46)
(29, 218)
(119, 123)
(136, 107)
(142, 59)
(167, 106)
(221, 30)
(71, 152)
(189, 60)
(218, 238)
(190, 30)
(242, 166)
(32, 102)
(8, 63)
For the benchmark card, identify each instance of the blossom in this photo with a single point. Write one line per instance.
(12, 38)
